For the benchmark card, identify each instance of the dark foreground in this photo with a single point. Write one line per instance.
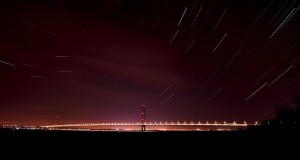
(249, 141)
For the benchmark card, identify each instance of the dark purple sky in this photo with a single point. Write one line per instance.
(99, 60)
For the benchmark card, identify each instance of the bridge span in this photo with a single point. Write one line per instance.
(153, 124)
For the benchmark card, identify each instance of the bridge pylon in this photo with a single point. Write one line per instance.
(143, 117)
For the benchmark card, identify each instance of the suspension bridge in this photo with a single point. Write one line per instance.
(143, 124)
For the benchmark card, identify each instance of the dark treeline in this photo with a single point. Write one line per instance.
(287, 115)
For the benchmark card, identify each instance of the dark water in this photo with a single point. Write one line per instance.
(233, 141)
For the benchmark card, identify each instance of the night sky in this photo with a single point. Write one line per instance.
(188, 60)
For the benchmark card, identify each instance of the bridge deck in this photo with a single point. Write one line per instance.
(152, 124)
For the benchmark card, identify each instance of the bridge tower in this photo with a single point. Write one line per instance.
(57, 120)
(143, 117)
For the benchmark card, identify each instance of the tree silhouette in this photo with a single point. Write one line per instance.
(296, 99)
(287, 115)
